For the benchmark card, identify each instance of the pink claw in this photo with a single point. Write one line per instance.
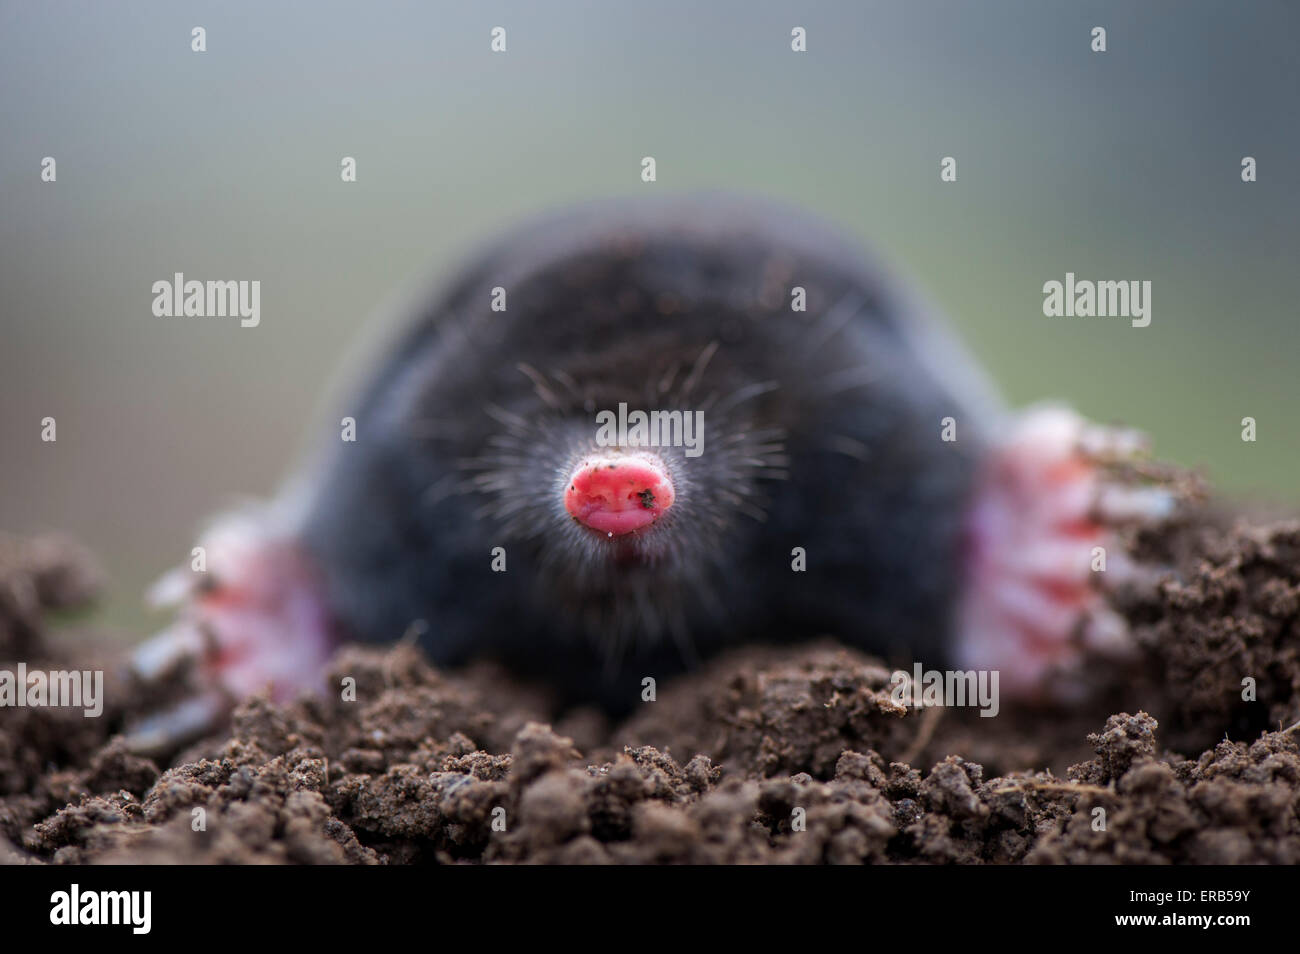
(1033, 605)
(254, 619)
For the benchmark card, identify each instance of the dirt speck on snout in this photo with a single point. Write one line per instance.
(792, 755)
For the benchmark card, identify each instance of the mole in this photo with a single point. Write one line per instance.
(860, 479)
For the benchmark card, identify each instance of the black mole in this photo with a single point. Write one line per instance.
(851, 476)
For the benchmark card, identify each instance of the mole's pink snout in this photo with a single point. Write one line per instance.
(618, 493)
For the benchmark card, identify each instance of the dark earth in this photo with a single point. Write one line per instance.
(791, 755)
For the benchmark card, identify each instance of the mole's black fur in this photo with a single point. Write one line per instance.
(821, 432)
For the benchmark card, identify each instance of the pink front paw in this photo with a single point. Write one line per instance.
(1043, 535)
(253, 620)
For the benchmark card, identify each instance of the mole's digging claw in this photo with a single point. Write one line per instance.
(1119, 504)
(254, 619)
(171, 728)
(162, 655)
(1045, 549)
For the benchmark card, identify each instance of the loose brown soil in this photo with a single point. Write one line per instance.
(767, 755)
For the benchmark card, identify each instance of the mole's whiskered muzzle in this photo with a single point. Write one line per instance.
(618, 492)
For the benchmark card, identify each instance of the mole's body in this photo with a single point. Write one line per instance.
(820, 431)
(821, 492)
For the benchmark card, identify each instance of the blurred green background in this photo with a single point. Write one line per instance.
(225, 165)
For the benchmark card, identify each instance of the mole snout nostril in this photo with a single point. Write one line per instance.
(618, 493)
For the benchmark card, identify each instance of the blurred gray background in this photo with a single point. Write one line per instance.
(225, 165)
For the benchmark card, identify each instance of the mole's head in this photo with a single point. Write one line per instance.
(618, 426)
(619, 430)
